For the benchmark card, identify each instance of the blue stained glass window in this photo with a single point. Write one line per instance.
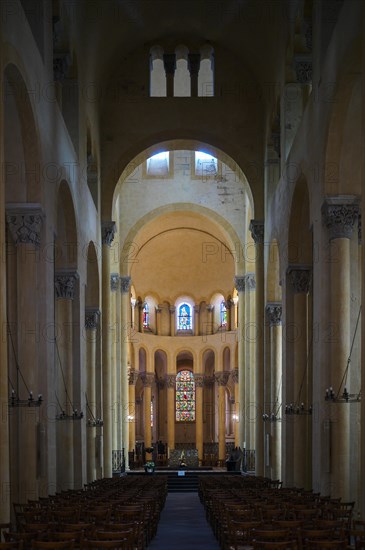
(185, 396)
(184, 317)
(223, 312)
(146, 316)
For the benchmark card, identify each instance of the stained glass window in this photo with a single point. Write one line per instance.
(223, 314)
(146, 316)
(184, 321)
(185, 396)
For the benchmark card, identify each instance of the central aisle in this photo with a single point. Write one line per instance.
(183, 525)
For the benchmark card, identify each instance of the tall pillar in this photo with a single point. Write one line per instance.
(172, 310)
(140, 316)
(114, 287)
(171, 386)
(249, 336)
(196, 320)
(65, 293)
(228, 304)
(148, 380)
(257, 231)
(241, 401)
(108, 230)
(210, 328)
(194, 66)
(235, 380)
(132, 379)
(125, 283)
(169, 62)
(4, 395)
(199, 384)
(300, 280)
(274, 314)
(222, 379)
(339, 215)
(91, 325)
(25, 224)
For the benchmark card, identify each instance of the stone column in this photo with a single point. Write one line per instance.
(140, 316)
(148, 380)
(169, 62)
(274, 314)
(171, 415)
(339, 215)
(65, 294)
(196, 320)
(257, 231)
(194, 66)
(115, 397)
(132, 379)
(125, 283)
(25, 224)
(158, 320)
(222, 379)
(235, 380)
(91, 325)
(250, 375)
(241, 400)
(199, 384)
(108, 230)
(210, 328)
(299, 278)
(228, 304)
(172, 310)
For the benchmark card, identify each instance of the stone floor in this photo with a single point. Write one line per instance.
(183, 525)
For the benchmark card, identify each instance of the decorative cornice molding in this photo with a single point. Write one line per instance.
(274, 311)
(199, 380)
(114, 282)
(257, 229)
(300, 278)
(25, 222)
(108, 231)
(65, 284)
(125, 283)
(170, 380)
(339, 215)
(92, 315)
(235, 376)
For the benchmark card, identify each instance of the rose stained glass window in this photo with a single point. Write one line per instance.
(185, 396)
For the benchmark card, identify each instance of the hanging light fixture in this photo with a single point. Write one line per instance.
(92, 421)
(343, 395)
(14, 399)
(75, 415)
(274, 415)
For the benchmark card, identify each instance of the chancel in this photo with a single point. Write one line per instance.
(182, 259)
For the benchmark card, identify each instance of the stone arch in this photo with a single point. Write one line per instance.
(92, 291)
(22, 157)
(66, 241)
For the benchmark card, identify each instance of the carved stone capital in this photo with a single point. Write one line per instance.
(194, 63)
(303, 67)
(148, 379)
(234, 376)
(170, 380)
(300, 278)
(257, 229)
(222, 377)
(133, 377)
(228, 304)
(209, 381)
(274, 312)
(65, 284)
(25, 223)
(250, 282)
(158, 309)
(160, 383)
(197, 309)
(339, 215)
(210, 307)
(61, 65)
(172, 309)
(108, 231)
(92, 315)
(199, 380)
(114, 282)
(125, 283)
(239, 283)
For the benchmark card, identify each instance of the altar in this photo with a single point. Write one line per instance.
(183, 458)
